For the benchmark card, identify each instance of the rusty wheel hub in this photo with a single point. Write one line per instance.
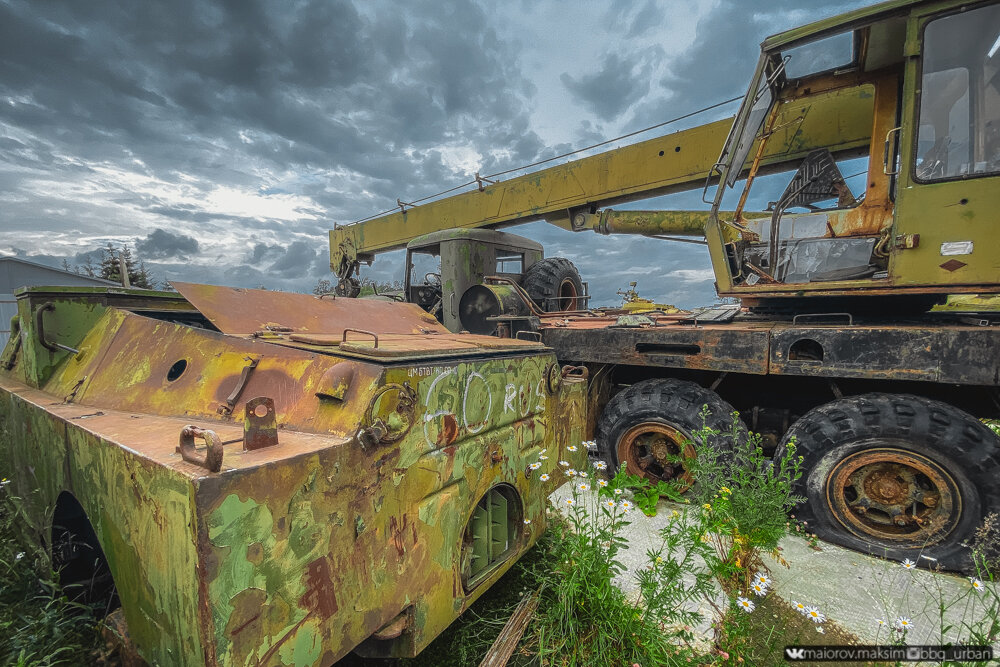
(651, 450)
(893, 496)
(567, 295)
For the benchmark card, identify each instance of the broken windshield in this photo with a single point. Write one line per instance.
(829, 53)
(754, 121)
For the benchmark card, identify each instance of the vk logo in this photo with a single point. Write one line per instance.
(795, 653)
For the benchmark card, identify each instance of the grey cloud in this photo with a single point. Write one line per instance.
(296, 260)
(620, 82)
(722, 57)
(161, 244)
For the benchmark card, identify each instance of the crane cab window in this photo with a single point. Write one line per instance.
(959, 132)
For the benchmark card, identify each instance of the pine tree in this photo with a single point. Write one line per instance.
(87, 267)
(109, 269)
(138, 275)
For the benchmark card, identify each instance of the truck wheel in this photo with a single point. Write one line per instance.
(554, 284)
(652, 421)
(896, 476)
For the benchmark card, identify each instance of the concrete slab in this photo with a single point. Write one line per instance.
(851, 589)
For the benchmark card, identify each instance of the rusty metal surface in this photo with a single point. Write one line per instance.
(260, 424)
(894, 495)
(242, 311)
(742, 349)
(949, 353)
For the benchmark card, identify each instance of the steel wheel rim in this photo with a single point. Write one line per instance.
(894, 496)
(644, 449)
(567, 295)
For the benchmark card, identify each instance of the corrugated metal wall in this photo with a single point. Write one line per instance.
(7, 310)
(16, 272)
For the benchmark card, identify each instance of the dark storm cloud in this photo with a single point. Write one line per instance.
(724, 53)
(620, 82)
(315, 83)
(161, 244)
(297, 258)
(229, 93)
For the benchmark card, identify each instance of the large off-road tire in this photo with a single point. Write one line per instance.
(652, 421)
(554, 285)
(896, 476)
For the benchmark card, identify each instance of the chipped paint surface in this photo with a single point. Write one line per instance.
(296, 552)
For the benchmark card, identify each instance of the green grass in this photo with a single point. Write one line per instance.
(39, 627)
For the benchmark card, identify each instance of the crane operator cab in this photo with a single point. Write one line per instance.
(905, 203)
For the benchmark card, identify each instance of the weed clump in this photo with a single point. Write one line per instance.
(39, 625)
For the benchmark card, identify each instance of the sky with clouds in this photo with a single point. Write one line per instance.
(222, 139)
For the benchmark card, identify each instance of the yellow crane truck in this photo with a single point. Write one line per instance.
(867, 320)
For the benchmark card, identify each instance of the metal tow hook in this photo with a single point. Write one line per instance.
(212, 460)
(371, 436)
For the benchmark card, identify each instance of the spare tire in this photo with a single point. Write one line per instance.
(554, 285)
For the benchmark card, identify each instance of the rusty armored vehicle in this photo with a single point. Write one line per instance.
(864, 290)
(262, 478)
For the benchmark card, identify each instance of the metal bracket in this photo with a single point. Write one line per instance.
(40, 330)
(227, 409)
(850, 318)
(212, 460)
(360, 331)
(260, 424)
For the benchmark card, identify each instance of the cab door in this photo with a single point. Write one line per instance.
(948, 201)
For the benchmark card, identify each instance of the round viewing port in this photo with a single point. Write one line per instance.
(176, 370)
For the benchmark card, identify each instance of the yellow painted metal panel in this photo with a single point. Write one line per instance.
(839, 120)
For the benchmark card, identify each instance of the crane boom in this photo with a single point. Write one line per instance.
(670, 163)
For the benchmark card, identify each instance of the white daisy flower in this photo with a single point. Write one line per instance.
(571, 448)
(618, 492)
(583, 473)
(583, 487)
(570, 501)
(602, 483)
(759, 589)
(799, 607)
(762, 579)
(976, 584)
(543, 457)
(626, 506)
(745, 604)
(570, 473)
(544, 477)
(903, 623)
(527, 522)
(4, 481)
(564, 464)
(815, 614)
(600, 465)
(909, 564)
(881, 622)
(590, 444)
(610, 504)
(535, 466)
